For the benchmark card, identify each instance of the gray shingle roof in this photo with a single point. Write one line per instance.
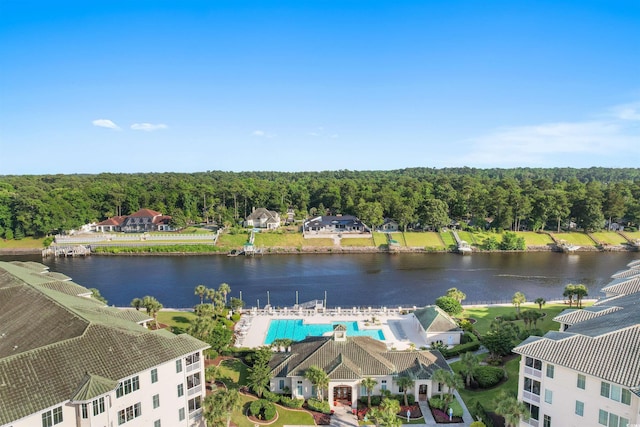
(623, 286)
(357, 357)
(626, 273)
(573, 316)
(55, 346)
(433, 319)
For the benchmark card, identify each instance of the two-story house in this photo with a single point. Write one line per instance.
(263, 218)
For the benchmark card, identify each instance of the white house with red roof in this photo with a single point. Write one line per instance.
(139, 222)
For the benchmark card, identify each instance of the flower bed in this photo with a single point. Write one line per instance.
(415, 411)
(442, 417)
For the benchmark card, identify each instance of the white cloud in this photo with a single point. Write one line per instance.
(148, 127)
(105, 123)
(535, 144)
(263, 134)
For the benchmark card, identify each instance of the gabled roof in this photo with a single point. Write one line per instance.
(634, 271)
(433, 319)
(623, 286)
(114, 220)
(327, 220)
(56, 346)
(145, 213)
(263, 213)
(357, 357)
(573, 316)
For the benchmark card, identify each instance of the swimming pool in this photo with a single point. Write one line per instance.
(296, 330)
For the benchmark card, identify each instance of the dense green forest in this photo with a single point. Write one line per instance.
(514, 199)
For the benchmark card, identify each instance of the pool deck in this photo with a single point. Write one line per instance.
(399, 329)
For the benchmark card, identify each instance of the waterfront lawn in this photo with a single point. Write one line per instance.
(535, 239)
(285, 416)
(424, 239)
(178, 321)
(357, 241)
(448, 239)
(279, 240)
(320, 242)
(484, 315)
(609, 238)
(232, 241)
(633, 235)
(574, 238)
(25, 243)
(487, 397)
(380, 239)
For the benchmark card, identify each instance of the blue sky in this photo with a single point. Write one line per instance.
(185, 86)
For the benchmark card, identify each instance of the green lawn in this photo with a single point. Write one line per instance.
(535, 239)
(279, 240)
(487, 397)
(26, 243)
(357, 241)
(233, 240)
(609, 238)
(233, 373)
(285, 416)
(178, 320)
(485, 315)
(380, 239)
(322, 242)
(422, 240)
(574, 238)
(448, 239)
(632, 234)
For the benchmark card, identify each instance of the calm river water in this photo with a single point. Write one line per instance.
(349, 280)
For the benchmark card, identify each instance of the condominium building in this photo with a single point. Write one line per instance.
(68, 360)
(588, 372)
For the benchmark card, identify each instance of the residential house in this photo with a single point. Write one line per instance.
(389, 226)
(437, 326)
(139, 222)
(347, 361)
(333, 224)
(263, 218)
(588, 373)
(66, 359)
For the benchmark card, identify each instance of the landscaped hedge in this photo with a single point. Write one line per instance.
(271, 397)
(375, 400)
(477, 411)
(437, 402)
(291, 403)
(488, 376)
(318, 406)
(411, 399)
(263, 409)
(461, 348)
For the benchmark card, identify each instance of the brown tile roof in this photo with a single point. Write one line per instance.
(114, 220)
(51, 340)
(145, 213)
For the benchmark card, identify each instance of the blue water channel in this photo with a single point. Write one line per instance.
(296, 330)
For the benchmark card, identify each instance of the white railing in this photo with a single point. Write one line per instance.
(194, 390)
(533, 372)
(530, 396)
(193, 367)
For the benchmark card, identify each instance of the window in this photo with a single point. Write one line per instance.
(154, 375)
(84, 411)
(533, 410)
(192, 358)
(384, 385)
(550, 369)
(611, 420)
(626, 397)
(193, 380)
(548, 396)
(281, 384)
(178, 365)
(98, 406)
(156, 401)
(128, 386)
(605, 389)
(579, 408)
(181, 414)
(53, 417)
(546, 421)
(532, 386)
(194, 404)
(156, 423)
(533, 363)
(129, 413)
(581, 381)
(615, 392)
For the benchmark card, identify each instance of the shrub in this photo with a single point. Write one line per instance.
(477, 424)
(466, 337)
(291, 403)
(436, 402)
(270, 396)
(510, 317)
(451, 305)
(263, 409)
(235, 317)
(411, 399)
(457, 408)
(477, 411)
(488, 376)
(461, 348)
(318, 406)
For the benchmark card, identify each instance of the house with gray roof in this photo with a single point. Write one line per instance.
(263, 218)
(437, 326)
(66, 359)
(334, 224)
(588, 373)
(347, 361)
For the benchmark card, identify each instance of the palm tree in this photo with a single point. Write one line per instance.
(224, 289)
(153, 306)
(201, 290)
(511, 409)
(540, 302)
(470, 364)
(568, 293)
(369, 384)
(580, 292)
(517, 300)
(137, 303)
(456, 294)
(405, 383)
(219, 406)
(386, 414)
(319, 379)
(450, 380)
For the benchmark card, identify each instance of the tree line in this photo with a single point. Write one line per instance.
(512, 199)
